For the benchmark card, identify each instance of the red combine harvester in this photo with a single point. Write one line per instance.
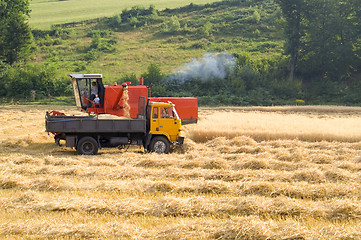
(112, 98)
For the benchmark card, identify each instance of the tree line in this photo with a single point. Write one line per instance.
(15, 33)
(323, 37)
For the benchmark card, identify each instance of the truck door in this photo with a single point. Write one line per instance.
(164, 121)
(168, 122)
(154, 124)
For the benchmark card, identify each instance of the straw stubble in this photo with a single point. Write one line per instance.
(261, 173)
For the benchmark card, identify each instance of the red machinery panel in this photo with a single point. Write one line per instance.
(113, 103)
(134, 93)
(115, 99)
(187, 108)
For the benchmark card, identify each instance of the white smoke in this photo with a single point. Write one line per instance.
(210, 66)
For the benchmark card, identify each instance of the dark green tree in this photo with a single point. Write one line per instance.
(15, 33)
(293, 13)
(322, 37)
(329, 47)
(154, 75)
(155, 78)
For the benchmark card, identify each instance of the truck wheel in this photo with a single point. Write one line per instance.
(159, 144)
(87, 146)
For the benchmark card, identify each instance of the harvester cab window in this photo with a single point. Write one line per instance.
(76, 93)
(87, 90)
(84, 90)
(83, 85)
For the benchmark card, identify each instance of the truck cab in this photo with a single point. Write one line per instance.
(163, 120)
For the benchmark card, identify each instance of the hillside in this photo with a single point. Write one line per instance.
(231, 52)
(168, 38)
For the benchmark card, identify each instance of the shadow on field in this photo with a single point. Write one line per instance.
(36, 149)
(38, 146)
(31, 148)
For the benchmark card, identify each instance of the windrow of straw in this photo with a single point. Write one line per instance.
(273, 125)
(197, 206)
(250, 227)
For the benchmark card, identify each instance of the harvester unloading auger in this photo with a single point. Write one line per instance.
(153, 122)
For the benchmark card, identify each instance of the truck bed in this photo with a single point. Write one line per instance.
(91, 124)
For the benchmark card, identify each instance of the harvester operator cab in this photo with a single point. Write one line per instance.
(86, 87)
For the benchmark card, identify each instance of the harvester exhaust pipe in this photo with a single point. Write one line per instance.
(141, 81)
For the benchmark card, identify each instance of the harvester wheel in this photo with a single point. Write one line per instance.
(159, 144)
(87, 146)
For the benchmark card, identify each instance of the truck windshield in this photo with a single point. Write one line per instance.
(166, 113)
(175, 113)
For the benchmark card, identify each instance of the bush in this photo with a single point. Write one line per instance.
(131, 77)
(288, 89)
(154, 75)
(57, 41)
(136, 17)
(115, 22)
(91, 55)
(258, 96)
(100, 44)
(126, 15)
(206, 30)
(96, 40)
(324, 91)
(256, 17)
(79, 66)
(48, 41)
(59, 32)
(198, 45)
(31, 82)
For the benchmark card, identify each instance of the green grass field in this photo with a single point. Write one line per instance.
(48, 12)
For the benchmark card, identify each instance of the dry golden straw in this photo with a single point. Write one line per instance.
(243, 173)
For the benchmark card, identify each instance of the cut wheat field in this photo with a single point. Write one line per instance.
(243, 173)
